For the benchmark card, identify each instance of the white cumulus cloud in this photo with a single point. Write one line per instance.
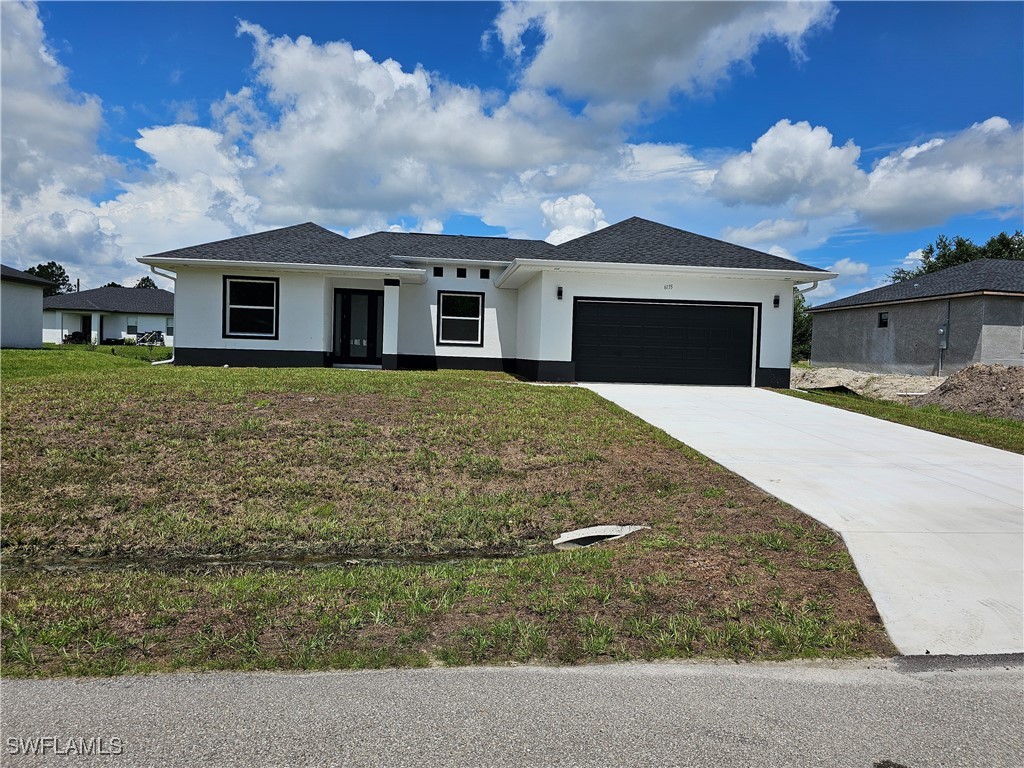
(658, 47)
(765, 231)
(571, 217)
(792, 161)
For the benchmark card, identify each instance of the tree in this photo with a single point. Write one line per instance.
(55, 273)
(112, 284)
(146, 282)
(801, 328)
(945, 253)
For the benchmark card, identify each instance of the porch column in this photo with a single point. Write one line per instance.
(389, 353)
(94, 335)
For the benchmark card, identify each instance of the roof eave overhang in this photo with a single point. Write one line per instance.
(452, 262)
(405, 274)
(918, 299)
(522, 270)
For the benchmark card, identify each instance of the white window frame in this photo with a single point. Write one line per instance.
(441, 340)
(228, 306)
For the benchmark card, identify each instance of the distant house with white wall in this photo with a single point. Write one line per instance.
(636, 302)
(21, 308)
(108, 314)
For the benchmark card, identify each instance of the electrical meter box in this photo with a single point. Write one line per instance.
(944, 336)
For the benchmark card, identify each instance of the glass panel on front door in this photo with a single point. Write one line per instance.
(359, 326)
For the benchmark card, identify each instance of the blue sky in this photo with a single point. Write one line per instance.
(844, 135)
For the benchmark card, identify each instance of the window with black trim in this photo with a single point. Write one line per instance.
(883, 319)
(132, 324)
(460, 271)
(460, 318)
(485, 274)
(438, 271)
(251, 307)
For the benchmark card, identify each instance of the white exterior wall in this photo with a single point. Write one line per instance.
(417, 327)
(304, 314)
(21, 315)
(529, 325)
(553, 330)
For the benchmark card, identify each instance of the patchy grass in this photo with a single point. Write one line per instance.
(1005, 434)
(64, 359)
(131, 473)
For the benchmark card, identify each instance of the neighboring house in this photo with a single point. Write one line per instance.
(934, 324)
(21, 308)
(635, 302)
(109, 314)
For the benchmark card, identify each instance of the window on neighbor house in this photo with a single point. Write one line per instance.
(883, 319)
(438, 271)
(485, 274)
(133, 325)
(251, 307)
(170, 326)
(460, 318)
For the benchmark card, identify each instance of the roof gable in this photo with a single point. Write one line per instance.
(136, 301)
(991, 275)
(639, 241)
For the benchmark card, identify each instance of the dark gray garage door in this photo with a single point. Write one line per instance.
(662, 343)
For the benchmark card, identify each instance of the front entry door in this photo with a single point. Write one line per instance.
(358, 326)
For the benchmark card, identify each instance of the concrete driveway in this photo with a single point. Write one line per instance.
(935, 525)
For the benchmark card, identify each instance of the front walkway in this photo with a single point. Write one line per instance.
(935, 525)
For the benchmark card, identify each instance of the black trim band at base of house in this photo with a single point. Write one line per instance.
(439, 362)
(250, 358)
(534, 370)
(547, 370)
(772, 377)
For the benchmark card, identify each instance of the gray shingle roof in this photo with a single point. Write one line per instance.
(639, 241)
(405, 244)
(135, 301)
(306, 243)
(633, 241)
(17, 276)
(1000, 275)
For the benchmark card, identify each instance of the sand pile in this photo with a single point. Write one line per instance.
(877, 385)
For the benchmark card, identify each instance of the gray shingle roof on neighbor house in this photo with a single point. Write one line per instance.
(134, 301)
(993, 275)
(470, 247)
(17, 276)
(639, 241)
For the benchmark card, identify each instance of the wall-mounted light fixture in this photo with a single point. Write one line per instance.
(775, 301)
(559, 293)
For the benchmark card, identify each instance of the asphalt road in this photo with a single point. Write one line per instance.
(933, 712)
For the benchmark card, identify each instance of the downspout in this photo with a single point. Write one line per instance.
(175, 281)
(802, 291)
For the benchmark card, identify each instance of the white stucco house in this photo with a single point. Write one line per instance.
(634, 302)
(21, 308)
(108, 314)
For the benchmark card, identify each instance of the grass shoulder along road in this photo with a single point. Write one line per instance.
(123, 482)
(1005, 434)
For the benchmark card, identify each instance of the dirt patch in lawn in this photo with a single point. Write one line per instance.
(988, 390)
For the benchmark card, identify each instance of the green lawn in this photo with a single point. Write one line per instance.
(126, 487)
(1006, 434)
